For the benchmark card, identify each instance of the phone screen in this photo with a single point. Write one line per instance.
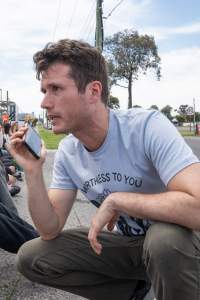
(33, 142)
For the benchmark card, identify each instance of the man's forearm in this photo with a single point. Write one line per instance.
(40, 207)
(173, 207)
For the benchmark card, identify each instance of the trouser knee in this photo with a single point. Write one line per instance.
(39, 260)
(164, 248)
(25, 258)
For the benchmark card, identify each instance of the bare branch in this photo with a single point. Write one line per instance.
(123, 86)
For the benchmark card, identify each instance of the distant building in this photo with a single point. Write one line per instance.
(25, 116)
(9, 108)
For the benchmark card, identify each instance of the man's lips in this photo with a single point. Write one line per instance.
(52, 117)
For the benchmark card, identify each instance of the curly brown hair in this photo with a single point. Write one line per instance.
(86, 63)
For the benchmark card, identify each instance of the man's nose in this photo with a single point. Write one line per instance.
(46, 102)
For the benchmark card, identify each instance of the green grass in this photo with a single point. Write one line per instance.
(50, 139)
(187, 133)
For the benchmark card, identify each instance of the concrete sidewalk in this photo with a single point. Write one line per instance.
(13, 286)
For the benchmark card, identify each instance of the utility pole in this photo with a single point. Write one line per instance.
(194, 108)
(194, 117)
(7, 99)
(1, 103)
(99, 35)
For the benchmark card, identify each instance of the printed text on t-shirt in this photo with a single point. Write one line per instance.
(113, 176)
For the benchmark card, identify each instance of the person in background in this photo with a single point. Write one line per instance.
(133, 166)
(14, 230)
(1, 139)
(7, 132)
(11, 174)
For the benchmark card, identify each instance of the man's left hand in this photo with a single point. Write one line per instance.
(106, 215)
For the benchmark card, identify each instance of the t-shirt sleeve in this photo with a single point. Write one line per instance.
(166, 148)
(61, 179)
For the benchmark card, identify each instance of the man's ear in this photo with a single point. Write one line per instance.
(95, 90)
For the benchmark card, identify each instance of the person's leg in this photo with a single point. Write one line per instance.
(5, 154)
(172, 259)
(14, 230)
(5, 197)
(7, 161)
(69, 263)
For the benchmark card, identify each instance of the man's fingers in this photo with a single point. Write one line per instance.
(111, 226)
(12, 145)
(19, 134)
(92, 237)
(105, 215)
(43, 150)
(97, 247)
(112, 222)
(16, 141)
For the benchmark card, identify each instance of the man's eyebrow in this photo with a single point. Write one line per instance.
(49, 85)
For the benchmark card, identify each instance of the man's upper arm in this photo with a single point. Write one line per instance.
(62, 201)
(187, 180)
(166, 148)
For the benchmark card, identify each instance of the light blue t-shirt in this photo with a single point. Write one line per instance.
(142, 152)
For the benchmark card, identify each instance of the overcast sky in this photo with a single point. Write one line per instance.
(27, 25)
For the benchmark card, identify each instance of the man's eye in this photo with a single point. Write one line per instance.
(55, 88)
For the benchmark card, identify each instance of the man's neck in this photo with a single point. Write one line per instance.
(93, 136)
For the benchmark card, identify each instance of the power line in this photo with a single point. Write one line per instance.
(113, 9)
(72, 16)
(57, 17)
(88, 18)
(91, 28)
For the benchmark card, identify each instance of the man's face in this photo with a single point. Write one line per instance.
(66, 107)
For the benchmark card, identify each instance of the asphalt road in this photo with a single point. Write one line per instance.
(194, 143)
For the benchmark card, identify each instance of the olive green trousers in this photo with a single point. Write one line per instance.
(168, 256)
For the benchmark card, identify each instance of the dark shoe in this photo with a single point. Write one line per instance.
(141, 290)
(14, 190)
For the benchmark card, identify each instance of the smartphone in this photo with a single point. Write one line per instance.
(33, 142)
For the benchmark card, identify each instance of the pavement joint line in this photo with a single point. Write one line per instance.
(76, 214)
(83, 201)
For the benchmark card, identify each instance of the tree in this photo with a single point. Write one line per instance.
(129, 54)
(166, 110)
(113, 102)
(137, 106)
(197, 116)
(180, 118)
(154, 106)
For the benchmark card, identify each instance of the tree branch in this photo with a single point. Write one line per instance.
(121, 85)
